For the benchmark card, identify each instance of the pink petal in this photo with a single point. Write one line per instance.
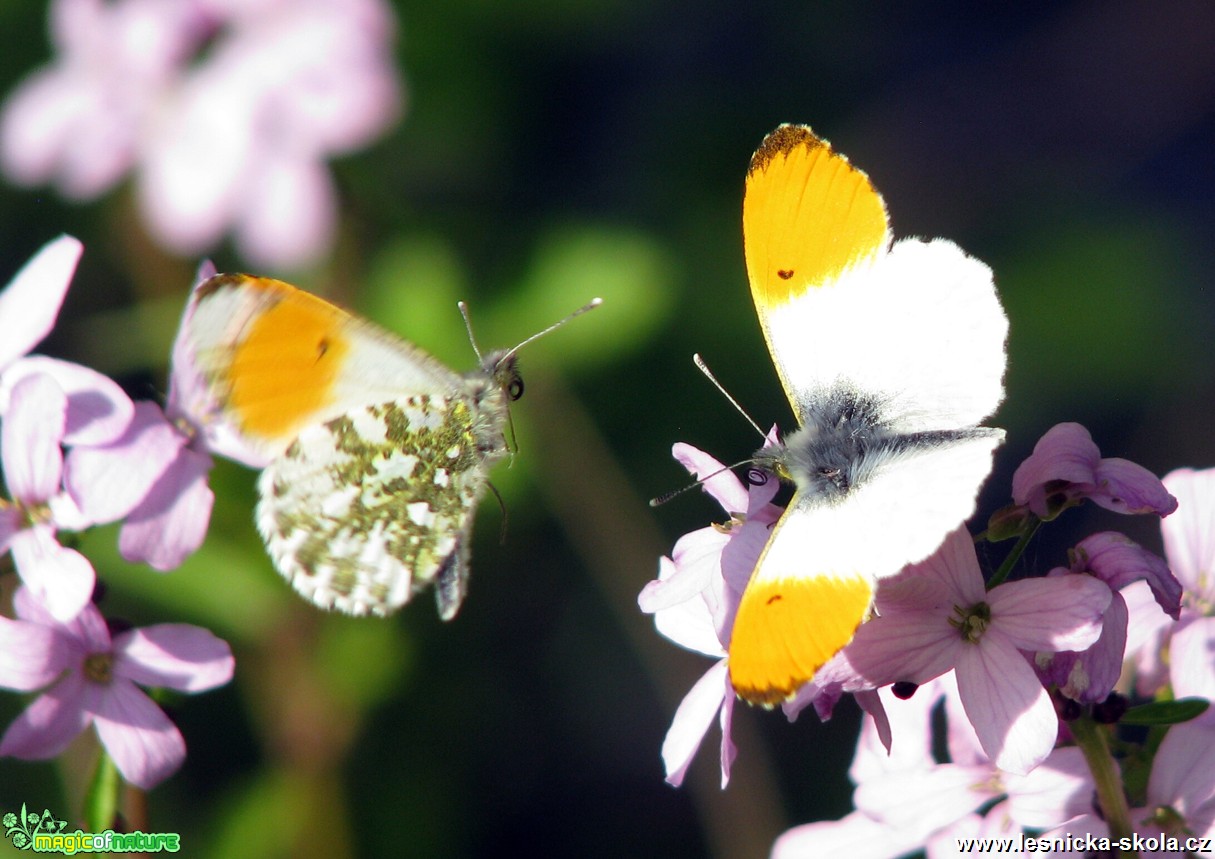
(177, 655)
(88, 629)
(1126, 487)
(961, 741)
(955, 567)
(48, 725)
(692, 720)
(30, 304)
(926, 799)
(1054, 613)
(1089, 676)
(1056, 791)
(288, 220)
(1192, 663)
(97, 411)
(31, 655)
(856, 836)
(870, 702)
(1189, 534)
(1118, 560)
(911, 646)
(747, 542)
(171, 521)
(12, 521)
(728, 750)
(107, 482)
(1183, 773)
(62, 579)
(30, 437)
(1011, 713)
(1065, 452)
(717, 480)
(194, 173)
(696, 561)
(689, 623)
(907, 744)
(146, 747)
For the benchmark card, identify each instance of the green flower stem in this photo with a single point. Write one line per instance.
(101, 799)
(998, 577)
(1090, 737)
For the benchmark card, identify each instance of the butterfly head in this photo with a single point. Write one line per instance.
(501, 367)
(843, 442)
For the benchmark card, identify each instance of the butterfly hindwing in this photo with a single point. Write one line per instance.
(364, 510)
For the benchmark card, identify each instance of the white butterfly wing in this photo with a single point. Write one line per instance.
(920, 328)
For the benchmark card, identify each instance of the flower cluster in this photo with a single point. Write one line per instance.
(1033, 674)
(227, 111)
(77, 452)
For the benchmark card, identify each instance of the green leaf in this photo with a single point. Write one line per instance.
(1166, 712)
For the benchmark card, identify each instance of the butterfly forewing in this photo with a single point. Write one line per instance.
(278, 359)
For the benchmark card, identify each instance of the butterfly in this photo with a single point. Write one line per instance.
(376, 454)
(892, 355)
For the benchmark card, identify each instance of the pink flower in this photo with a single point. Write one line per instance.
(1189, 544)
(1180, 797)
(79, 121)
(1189, 537)
(1115, 559)
(1066, 467)
(155, 474)
(30, 303)
(906, 799)
(33, 465)
(693, 602)
(97, 409)
(92, 680)
(227, 111)
(1189, 547)
(936, 616)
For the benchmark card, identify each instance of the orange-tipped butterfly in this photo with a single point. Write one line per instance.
(891, 356)
(377, 453)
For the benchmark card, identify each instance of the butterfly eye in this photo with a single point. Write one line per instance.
(757, 477)
(515, 389)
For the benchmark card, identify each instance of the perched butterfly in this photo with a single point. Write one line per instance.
(891, 356)
(377, 453)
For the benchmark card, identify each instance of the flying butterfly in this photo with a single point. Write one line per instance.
(376, 454)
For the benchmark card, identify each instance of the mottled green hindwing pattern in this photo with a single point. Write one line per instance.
(363, 511)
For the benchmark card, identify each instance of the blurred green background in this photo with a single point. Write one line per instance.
(551, 151)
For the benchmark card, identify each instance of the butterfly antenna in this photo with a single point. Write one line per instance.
(468, 327)
(675, 493)
(704, 368)
(590, 305)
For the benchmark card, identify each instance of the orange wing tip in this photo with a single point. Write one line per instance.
(808, 216)
(786, 630)
(782, 141)
(292, 348)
